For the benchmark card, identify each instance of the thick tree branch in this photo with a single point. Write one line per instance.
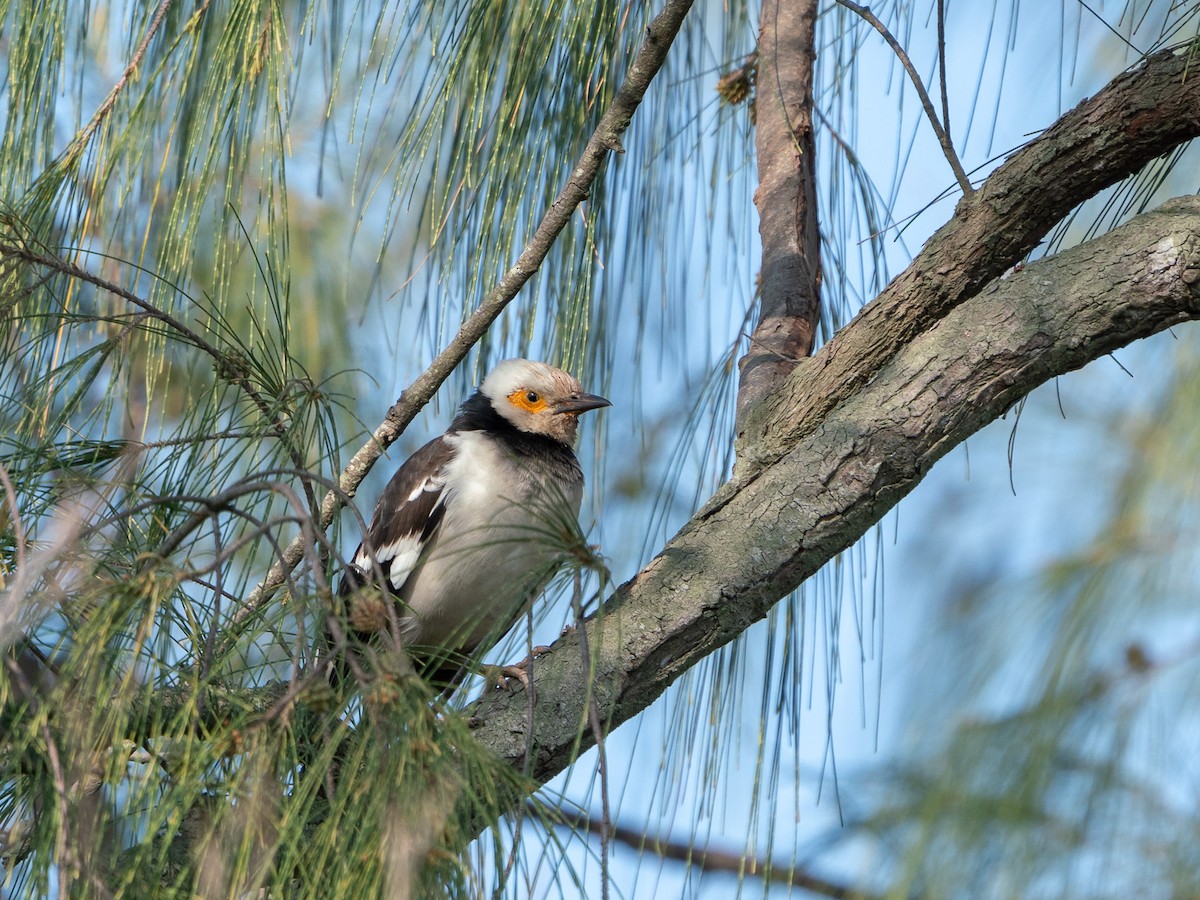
(660, 34)
(786, 199)
(733, 561)
(1137, 117)
(854, 428)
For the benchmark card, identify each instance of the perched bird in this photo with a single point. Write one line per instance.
(459, 534)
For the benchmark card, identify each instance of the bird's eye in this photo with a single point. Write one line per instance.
(532, 396)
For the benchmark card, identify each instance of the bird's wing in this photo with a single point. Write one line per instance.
(408, 514)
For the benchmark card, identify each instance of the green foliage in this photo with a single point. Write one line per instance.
(182, 186)
(223, 790)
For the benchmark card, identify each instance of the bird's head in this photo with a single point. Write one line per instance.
(539, 399)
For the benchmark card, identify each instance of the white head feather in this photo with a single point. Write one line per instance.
(538, 398)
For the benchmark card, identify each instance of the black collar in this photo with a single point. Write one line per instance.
(478, 414)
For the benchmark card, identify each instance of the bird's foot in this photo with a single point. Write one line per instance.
(504, 676)
(496, 677)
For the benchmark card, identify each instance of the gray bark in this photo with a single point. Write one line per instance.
(1140, 115)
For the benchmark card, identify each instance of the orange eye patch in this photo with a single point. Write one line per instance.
(530, 401)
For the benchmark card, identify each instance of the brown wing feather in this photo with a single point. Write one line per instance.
(408, 514)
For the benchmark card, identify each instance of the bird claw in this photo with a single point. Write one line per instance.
(503, 676)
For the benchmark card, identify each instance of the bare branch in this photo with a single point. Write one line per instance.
(224, 363)
(80, 142)
(942, 135)
(941, 39)
(46, 259)
(706, 859)
(790, 283)
(1139, 116)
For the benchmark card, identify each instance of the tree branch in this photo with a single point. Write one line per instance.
(78, 145)
(226, 366)
(733, 561)
(786, 199)
(18, 249)
(707, 859)
(660, 34)
(854, 428)
(1137, 117)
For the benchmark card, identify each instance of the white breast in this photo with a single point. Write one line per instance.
(495, 549)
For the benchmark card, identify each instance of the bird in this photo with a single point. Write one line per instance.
(458, 538)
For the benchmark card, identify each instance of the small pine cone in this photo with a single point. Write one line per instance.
(368, 613)
(736, 87)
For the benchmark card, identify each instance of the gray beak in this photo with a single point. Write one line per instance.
(580, 403)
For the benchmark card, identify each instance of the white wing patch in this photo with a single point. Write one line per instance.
(434, 482)
(399, 557)
(401, 554)
(404, 554)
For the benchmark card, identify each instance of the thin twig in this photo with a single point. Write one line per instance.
(943, 138)
(593, 714)
(706, 859)
(110, 101)
(48, 260)
(660, 35)
(20, 251)
(941, 29)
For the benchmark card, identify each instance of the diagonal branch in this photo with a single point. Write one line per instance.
(731, 563)
(21, 251)
(1139, 116)
(786, 198)
(942, 131)
(77, 146)
(660, 34)
(707, 859)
